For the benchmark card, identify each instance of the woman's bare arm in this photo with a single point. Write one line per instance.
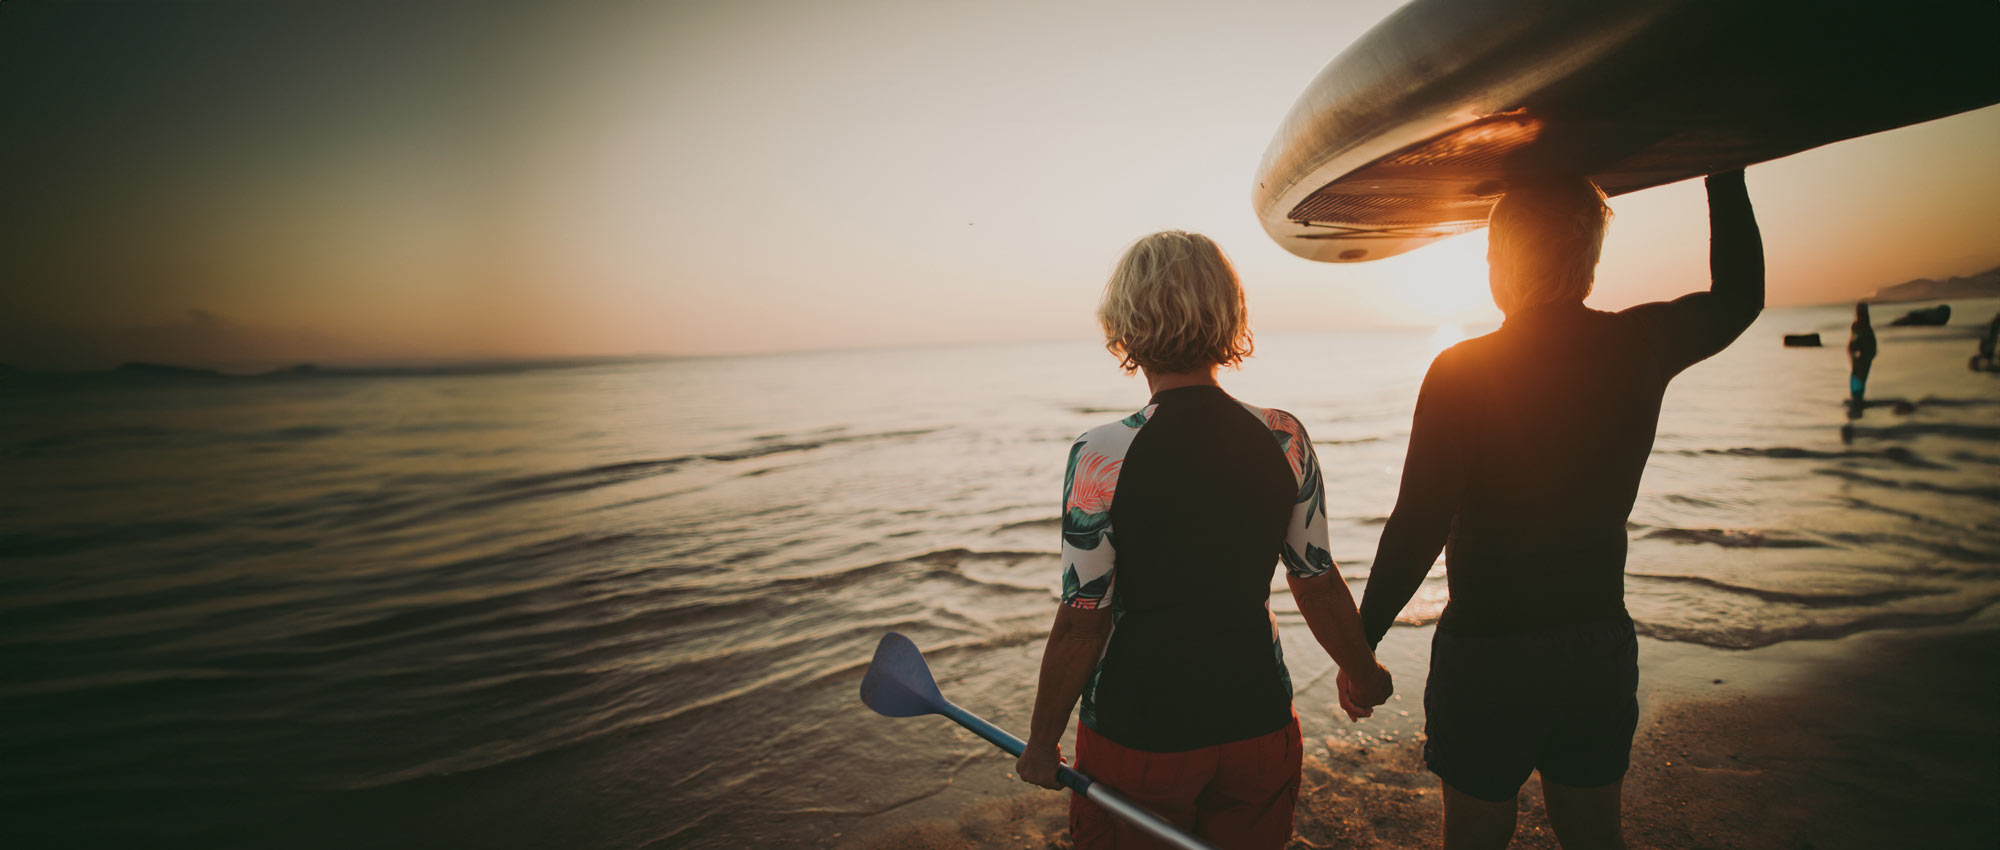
(1076, 641)
(1328, 608)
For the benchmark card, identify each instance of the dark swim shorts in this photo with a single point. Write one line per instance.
(1562, 701)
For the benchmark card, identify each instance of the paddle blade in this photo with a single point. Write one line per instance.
(898, 682)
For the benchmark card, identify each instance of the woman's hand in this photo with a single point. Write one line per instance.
(1360, 694)
(1037, 765)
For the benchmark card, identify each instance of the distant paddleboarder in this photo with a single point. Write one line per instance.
(1860, 356)
(1173, 520)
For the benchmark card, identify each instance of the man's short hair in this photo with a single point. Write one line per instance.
(1174, 305)
(1544, 238)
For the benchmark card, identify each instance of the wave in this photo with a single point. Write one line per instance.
(444, 427)
(1971, 457)
(1753, 637)
(578, 669)
(780, 448)
(85, 537)
(1809, 600)
(1753, 633)
(1939, 547)
(798, 660)
(1894, 454)
(293, 434)
(153, 437)
(522, 488)
(946, 560)
(114, 680)
(955, 555)
(93, 438)
(1906, 431)
(1934, 401)
(1734, 538)
(1692, 501)
(1990, 494)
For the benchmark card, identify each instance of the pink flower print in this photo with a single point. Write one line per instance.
(1096, 477)
(1295, 448)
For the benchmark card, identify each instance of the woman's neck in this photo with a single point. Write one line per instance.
(1162, 381)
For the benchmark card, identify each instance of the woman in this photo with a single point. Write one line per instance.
(1526, 450)
(1173, 519)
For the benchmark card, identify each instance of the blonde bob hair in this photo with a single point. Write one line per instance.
(1174, 305)
(1543, 243)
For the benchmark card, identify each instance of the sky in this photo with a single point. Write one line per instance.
(244, 184)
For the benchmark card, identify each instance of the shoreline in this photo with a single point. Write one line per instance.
(1877, 739)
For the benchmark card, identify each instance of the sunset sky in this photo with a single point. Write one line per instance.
(249, 184)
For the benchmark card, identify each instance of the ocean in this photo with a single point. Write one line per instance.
(625, 605)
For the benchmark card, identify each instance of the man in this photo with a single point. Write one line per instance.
(1524, 458)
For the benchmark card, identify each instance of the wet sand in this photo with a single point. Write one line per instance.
(1881, 739)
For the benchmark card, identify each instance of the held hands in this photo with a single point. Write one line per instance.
(1361, 693)
(1037, 765)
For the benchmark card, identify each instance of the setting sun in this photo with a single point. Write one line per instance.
(1446, 284)
(1446, 336)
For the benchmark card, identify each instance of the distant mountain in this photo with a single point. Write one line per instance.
(142, 373)
(164, 370)
(1985, 284)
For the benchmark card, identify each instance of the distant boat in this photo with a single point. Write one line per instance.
(1925, 316)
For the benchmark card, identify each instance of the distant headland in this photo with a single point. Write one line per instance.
(1985, 284)
(139, 372)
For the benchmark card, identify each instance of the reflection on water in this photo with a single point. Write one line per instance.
(627, 604)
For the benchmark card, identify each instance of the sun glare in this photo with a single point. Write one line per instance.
(1446, 336)
(1443, 283)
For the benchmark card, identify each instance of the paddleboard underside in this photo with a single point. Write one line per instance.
(1393, 147)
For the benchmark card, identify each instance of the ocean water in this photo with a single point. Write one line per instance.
(627, 605)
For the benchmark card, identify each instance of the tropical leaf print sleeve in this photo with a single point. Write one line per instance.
(1305, 553)
(1089, 556)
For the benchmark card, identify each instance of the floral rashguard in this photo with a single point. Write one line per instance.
(1174, 517)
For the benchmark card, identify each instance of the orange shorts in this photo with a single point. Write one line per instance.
(1234, 795)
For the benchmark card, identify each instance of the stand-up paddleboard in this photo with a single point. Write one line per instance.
(1411, 134)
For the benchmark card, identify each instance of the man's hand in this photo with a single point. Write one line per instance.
(1359, 695)
(1037, 765)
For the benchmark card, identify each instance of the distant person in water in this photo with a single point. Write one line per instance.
(1860, 356)
(1173, 520)
(1524, 460)
(1987, 342)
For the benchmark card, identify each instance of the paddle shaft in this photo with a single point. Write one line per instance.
(1091, 789)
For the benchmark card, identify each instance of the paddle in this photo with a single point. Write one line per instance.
(899, 684)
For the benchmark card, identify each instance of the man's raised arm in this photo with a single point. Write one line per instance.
(1696, 326)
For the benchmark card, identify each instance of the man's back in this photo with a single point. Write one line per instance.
(1528, 443)
(1554, 416)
